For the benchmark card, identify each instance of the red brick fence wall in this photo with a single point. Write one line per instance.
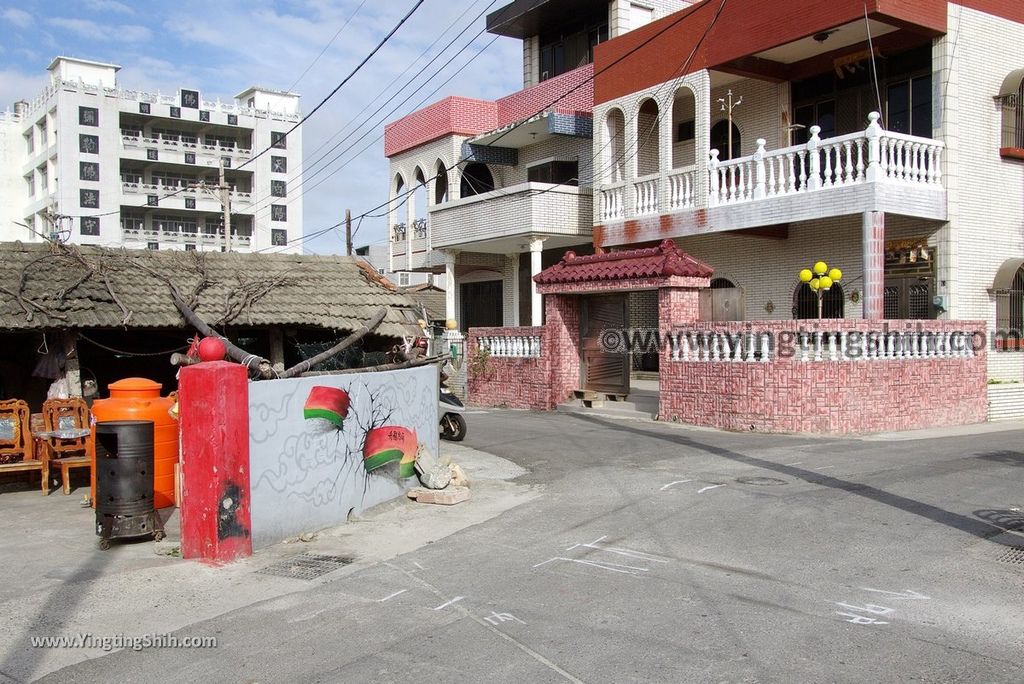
(833, 376)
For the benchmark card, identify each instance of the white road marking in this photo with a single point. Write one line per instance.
(794, 463)
(861, 619)
(604, 565)
(675, 483)
(868, 608)
(908, 594)
(418, 565)
(448, 603)
(701, 491)
(391, 596)
(824, 467)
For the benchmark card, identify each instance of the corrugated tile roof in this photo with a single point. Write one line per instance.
(68, 283)
(653, 262)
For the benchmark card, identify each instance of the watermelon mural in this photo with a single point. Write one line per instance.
(390, 443)
(322, 447)
(329, 403)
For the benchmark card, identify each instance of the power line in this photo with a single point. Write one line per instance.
(338, 87)
(305, 172)
(683, 15)
(329, 43)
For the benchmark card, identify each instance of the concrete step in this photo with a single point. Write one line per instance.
(645, 409)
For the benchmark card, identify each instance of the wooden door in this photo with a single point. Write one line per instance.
(603, 371)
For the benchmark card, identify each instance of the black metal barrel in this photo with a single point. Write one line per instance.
(124, 468)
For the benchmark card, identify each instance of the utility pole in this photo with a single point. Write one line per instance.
(225, 202)
(348, 232)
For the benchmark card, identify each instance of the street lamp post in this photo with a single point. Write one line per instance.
(728, 106)
(820, 278)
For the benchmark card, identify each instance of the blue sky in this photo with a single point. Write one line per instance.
(223, 46)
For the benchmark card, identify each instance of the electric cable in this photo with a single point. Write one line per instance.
(338, 87)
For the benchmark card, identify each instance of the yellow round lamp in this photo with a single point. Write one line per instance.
(450, 324)
(821, 268)
(422, 323)
(835, 274)
(815, 283)
(806, 275)
(824, 282)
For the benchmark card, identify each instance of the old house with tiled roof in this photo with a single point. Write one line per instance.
(111, 313)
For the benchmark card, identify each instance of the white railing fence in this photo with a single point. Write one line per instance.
(511, 346)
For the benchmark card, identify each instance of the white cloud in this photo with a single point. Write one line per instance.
(80, 27)
(108, 6)
(16, 85)
(86, 28)
(19, 18)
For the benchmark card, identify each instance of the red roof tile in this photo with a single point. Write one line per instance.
(662, 261)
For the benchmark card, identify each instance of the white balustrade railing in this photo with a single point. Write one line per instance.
(871, 155)
(511, 346)
(645, 191)
(682, 188)
(611, 205)
(844, 345)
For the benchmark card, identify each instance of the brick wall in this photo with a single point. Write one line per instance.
(452, 115)
(531, 383)
(572, 91)
(521, 383)
(788, 395)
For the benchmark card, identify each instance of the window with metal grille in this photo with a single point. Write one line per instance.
(1009, 334)
(1011, 99)
(891, 302)
(805, 302)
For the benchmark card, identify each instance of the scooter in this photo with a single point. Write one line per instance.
(453, 425)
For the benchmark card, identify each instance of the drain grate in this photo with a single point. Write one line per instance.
(1013, 555)
(306, 566)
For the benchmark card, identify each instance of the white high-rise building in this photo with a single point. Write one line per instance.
(88, 162)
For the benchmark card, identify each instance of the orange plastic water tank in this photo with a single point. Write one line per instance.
(139, 399)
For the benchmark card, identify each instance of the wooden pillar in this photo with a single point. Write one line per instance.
(214, 416)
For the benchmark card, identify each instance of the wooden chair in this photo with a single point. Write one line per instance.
(16, 442)
(63, 453)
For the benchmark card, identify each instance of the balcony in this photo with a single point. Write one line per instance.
(184, 237)
(174, 196)
(184, 143)
(872, 170)
(509, 215)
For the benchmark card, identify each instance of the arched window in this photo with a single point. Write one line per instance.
(418, 205)
(476, 178)
(684, 114)
(1011, 97)
(648, 159)
(720, 140)
(615, 147)
(398, 231)
(441, 183)
(1008, 288)
(805, 302)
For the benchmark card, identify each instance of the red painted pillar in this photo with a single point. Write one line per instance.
(213, 401)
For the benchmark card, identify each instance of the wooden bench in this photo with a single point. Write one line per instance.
(17, 448)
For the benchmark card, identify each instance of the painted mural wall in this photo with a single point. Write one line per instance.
(322, 446)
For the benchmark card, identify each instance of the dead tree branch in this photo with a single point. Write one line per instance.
(383, 367)
(304, 366)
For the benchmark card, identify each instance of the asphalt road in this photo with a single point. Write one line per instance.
(658, 553)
